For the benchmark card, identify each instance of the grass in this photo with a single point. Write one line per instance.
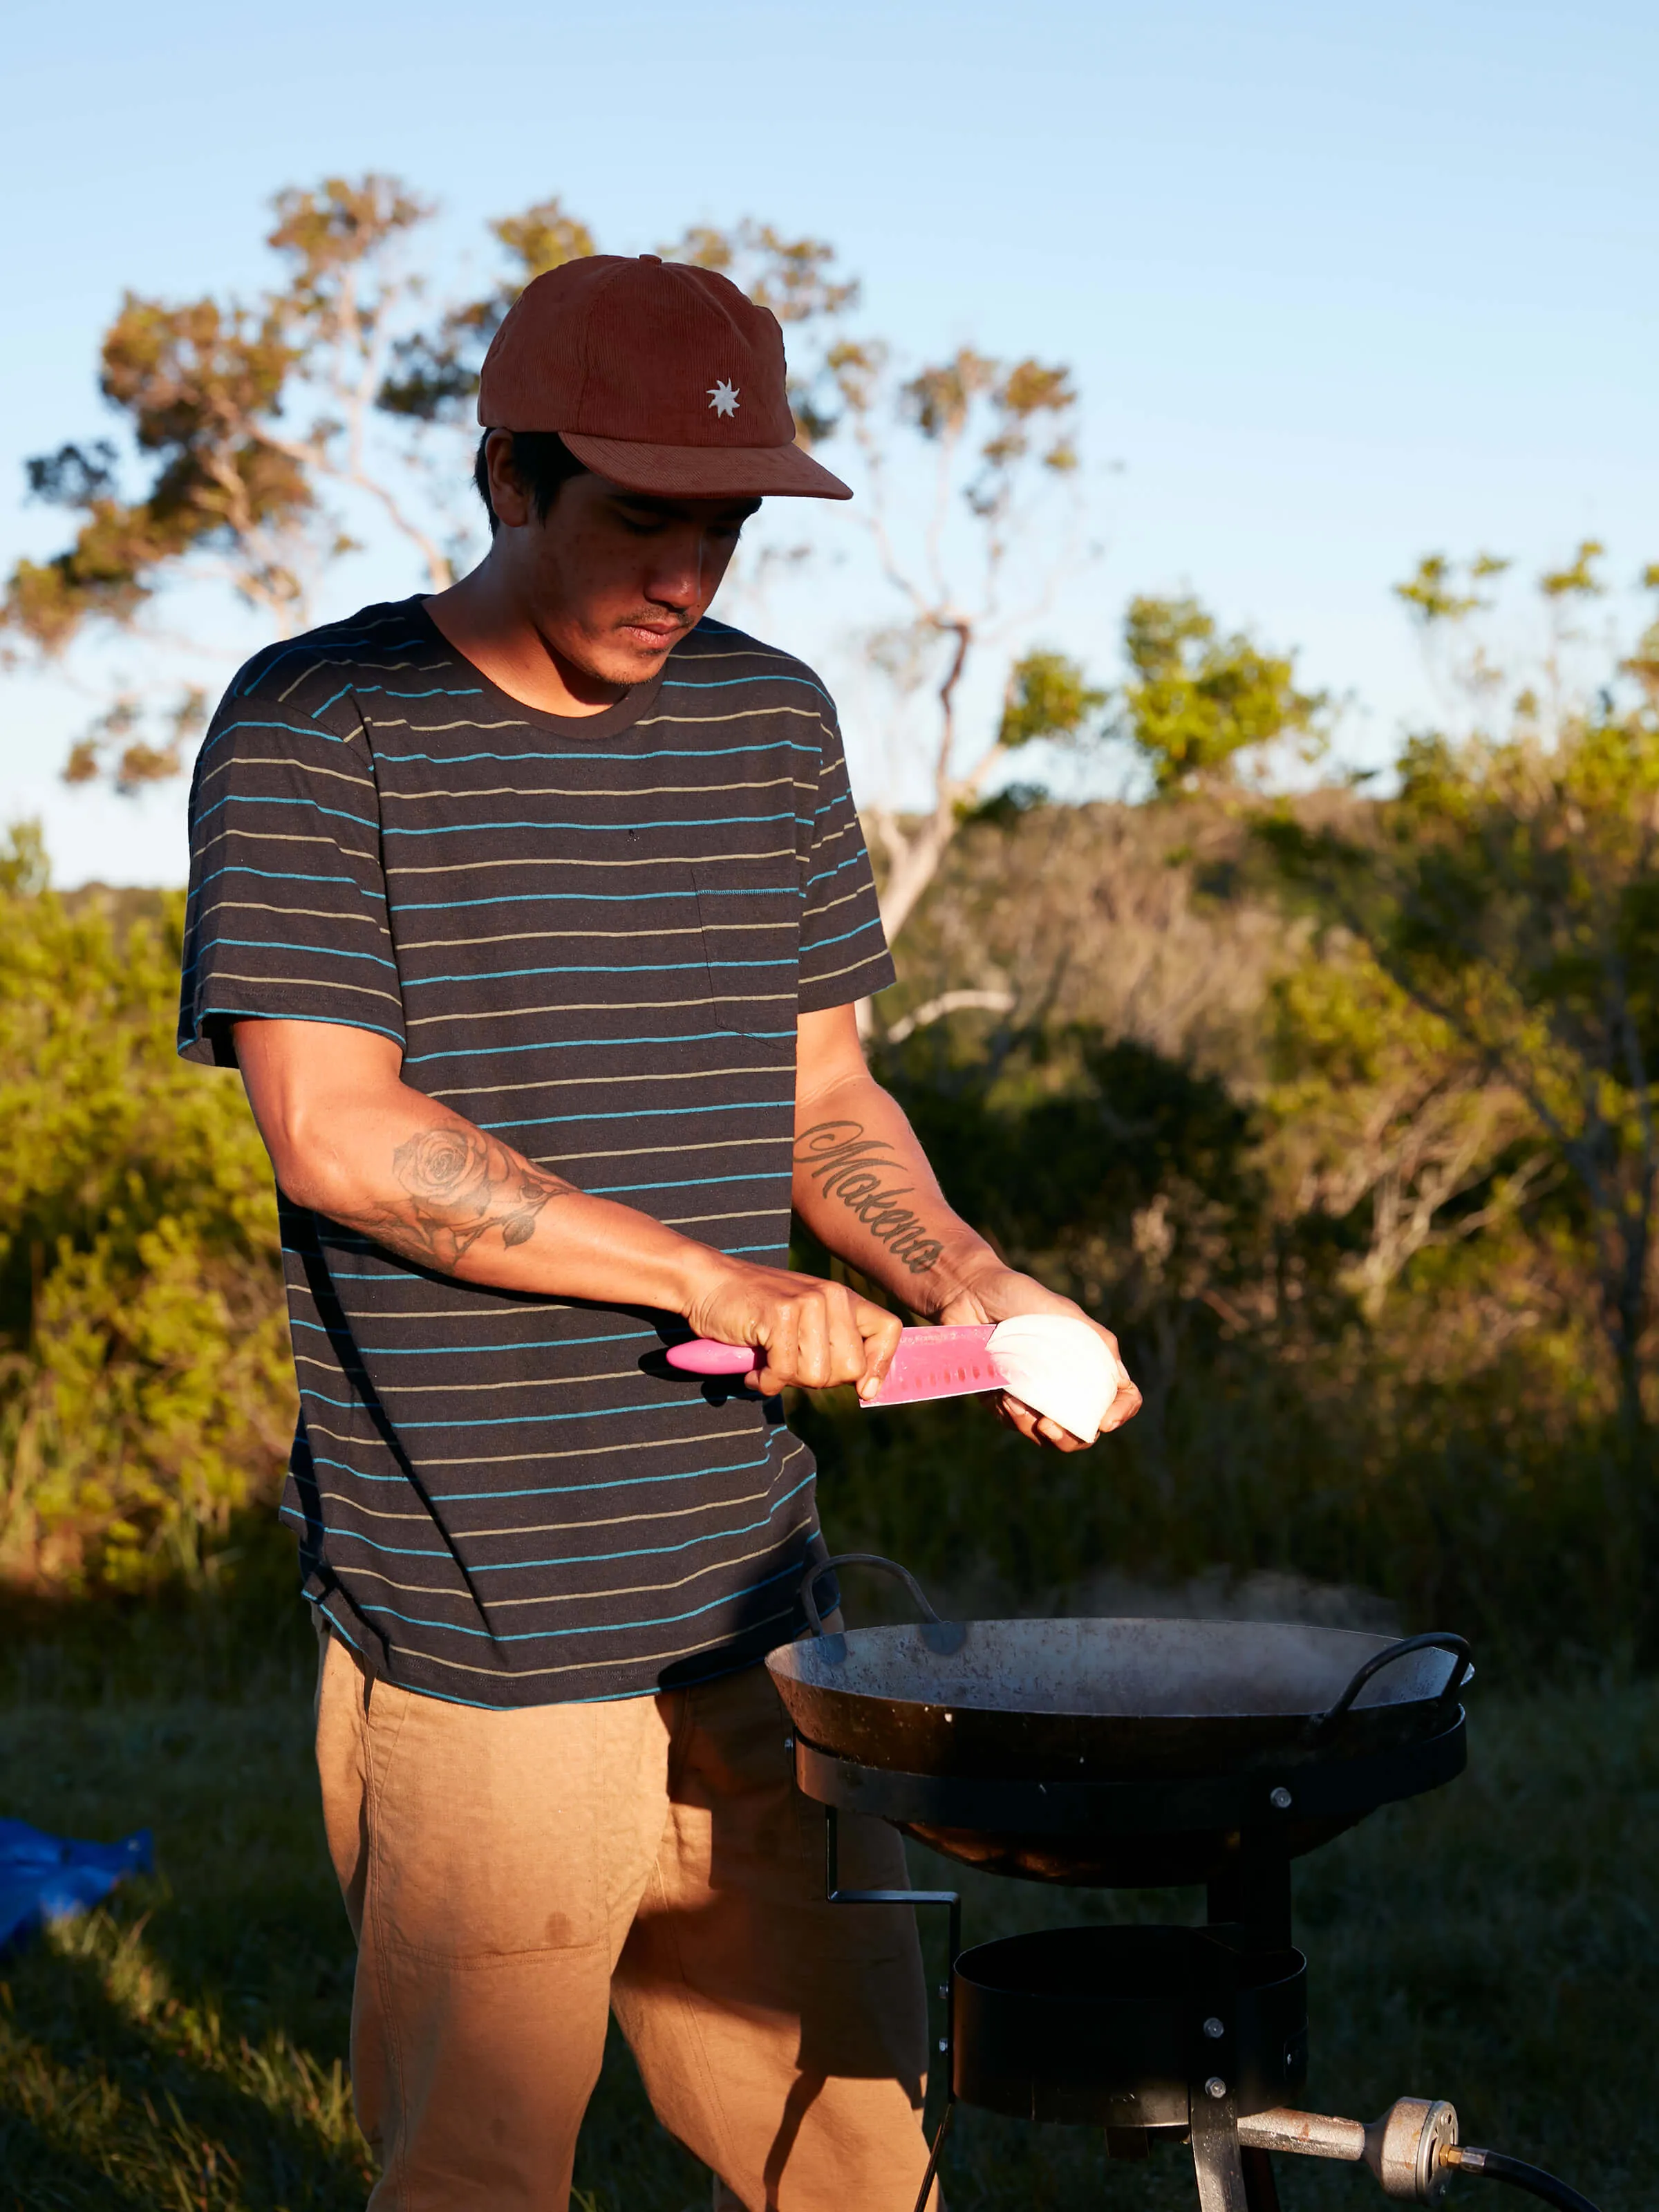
(1498, 1944)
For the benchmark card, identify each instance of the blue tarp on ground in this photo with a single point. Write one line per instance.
(45, 1877)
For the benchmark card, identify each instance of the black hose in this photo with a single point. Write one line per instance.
(1497, 2166)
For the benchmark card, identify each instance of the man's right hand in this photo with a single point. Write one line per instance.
(804, 1330)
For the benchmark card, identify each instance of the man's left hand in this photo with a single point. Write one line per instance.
(998, 1294)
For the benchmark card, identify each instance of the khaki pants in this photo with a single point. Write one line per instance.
(511, 1877)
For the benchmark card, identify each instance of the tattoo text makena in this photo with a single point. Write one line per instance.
(847, 1165)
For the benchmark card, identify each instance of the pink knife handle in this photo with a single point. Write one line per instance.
(704, 1356)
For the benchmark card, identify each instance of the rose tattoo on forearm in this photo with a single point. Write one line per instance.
(461, 1184)
(851, 1168)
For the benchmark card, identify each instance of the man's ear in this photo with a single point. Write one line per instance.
(507, 495)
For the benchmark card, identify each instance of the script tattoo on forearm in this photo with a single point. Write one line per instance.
(462, 1184)
(852, 1168)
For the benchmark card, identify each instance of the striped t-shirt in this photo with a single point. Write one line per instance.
(591, 937)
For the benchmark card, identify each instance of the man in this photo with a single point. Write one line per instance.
(534, 914)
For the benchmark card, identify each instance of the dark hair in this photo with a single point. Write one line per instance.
(543, 461)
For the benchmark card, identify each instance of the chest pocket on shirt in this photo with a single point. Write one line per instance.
(751, 915)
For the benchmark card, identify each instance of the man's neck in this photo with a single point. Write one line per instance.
(502, 643)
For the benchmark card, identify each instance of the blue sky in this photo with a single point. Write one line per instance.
(1339, 283)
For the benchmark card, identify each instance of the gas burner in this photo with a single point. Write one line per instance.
(1126, 1754)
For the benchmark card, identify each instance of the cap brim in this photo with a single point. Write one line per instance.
(707, 472)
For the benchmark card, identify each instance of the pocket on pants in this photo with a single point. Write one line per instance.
(483, 1832)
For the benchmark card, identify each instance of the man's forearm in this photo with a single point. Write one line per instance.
(448, 1196)
(350, 1139)
(459, 1200)
(380, 1157)
(863, 1186)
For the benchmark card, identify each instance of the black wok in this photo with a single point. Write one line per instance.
(1107, 1700)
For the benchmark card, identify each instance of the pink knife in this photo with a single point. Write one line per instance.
(930, 1363)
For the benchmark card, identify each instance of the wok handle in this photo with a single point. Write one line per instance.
(944, 1636)
(815, 1573)
(1434, 1640)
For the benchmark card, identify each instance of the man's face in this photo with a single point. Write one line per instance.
(612, 579)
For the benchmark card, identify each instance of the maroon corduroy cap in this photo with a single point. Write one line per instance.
(660, 377)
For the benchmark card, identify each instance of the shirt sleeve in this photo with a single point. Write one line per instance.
(287, 910)
(843, 948)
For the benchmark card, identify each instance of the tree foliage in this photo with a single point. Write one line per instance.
(209, 389)
(1508, 894)
(1432, 594)
(989, 440)
(1385, 1128)
(1197, 702)
(269, 435)
(1496, 925)
(146, 1391)
(1047, 696)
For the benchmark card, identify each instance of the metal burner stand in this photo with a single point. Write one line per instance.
(1157, 2034)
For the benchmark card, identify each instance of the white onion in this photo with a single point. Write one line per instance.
(1057, 1365)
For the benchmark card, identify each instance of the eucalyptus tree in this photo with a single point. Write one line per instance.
(992, 443)
(264, 437)
(1506, 898)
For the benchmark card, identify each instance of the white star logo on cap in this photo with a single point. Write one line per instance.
(723, 397)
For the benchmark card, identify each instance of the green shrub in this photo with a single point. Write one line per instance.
(146, 1392)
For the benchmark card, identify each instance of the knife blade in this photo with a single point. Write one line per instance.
(929, 1363)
